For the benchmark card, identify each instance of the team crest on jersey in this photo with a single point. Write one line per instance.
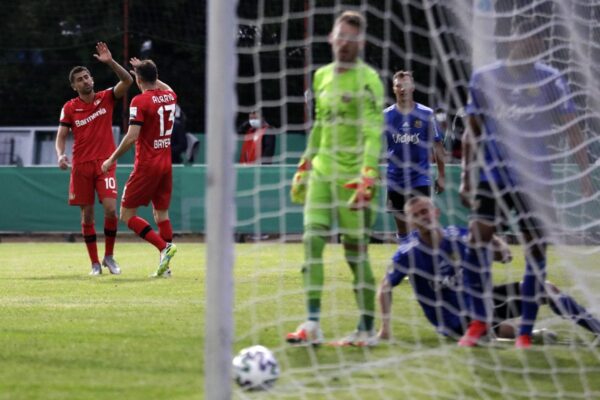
(533, 91)
(418, 124)
(455, 257)
(346, 97)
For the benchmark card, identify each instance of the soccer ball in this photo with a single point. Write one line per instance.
(255, 368)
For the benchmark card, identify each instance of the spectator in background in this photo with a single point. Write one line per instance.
(179, 141)
(258, 146)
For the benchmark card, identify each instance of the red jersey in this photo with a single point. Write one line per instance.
(91, 125)
(154, 110)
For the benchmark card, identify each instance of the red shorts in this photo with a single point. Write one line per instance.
(146, 185)
(87, 177)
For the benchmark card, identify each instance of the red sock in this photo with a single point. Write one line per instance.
(166, 230)
(110, 235)
(143, 229)
(89, 236)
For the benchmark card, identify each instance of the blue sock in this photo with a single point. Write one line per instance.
(476, 277)
(314, 309)
(535, 276)
(566, 306)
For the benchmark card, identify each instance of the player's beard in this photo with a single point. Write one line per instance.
(87, 90)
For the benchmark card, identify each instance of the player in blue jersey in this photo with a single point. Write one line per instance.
(411, 133)
(516, 106)
(433, 261)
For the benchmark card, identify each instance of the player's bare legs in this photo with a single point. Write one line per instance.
(110, 235)
(89, 236)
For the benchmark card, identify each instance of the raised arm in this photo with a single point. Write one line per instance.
(125, 80)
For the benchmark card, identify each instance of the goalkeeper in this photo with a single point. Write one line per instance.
(337, 174)
(433, 261)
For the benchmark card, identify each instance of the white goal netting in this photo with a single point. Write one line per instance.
(280, 45)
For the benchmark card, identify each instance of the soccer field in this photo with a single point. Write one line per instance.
(65, 335)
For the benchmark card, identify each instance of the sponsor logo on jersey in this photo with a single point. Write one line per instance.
(405, 138)
(132, 112)
(85, 121)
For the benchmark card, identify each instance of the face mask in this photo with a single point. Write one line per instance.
(440, 117)
(255, 123)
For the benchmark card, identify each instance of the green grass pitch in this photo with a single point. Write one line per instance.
(65, 335)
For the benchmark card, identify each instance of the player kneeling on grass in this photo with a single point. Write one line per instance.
(151, 117)
(433, 261)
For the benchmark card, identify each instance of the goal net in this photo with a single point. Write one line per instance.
(279, 47)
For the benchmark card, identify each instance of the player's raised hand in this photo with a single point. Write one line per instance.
(63, 162)
(103, 53)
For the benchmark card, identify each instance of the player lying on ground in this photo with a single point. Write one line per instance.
(433, 261)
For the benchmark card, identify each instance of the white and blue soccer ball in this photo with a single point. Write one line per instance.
(255, 368)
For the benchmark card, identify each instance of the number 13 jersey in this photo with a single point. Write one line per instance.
(154, 111)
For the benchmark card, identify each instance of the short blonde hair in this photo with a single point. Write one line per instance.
(352, 18)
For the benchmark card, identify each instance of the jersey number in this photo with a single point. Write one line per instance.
(110, 183)
(170, 110)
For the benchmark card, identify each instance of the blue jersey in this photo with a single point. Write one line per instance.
(409, 142)
(435, 276)
(519, 113)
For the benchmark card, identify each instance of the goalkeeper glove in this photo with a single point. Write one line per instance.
(363, 188)
(298, 191)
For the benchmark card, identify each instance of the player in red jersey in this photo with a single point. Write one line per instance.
(151, 117)
(89, 116)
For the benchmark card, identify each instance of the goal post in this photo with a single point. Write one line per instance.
(220, 184)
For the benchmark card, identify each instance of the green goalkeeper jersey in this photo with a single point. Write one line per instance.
(347, 130)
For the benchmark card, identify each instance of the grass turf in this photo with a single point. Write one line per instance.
(66, 335)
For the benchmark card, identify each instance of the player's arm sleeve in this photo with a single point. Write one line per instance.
(314, 138)
(65, 118)
(398, 270)
(372, 120)
(136, 113)
(435, 132)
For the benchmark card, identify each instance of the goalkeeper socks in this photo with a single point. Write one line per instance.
(110, 235)
(476, 279)
(531, 287)
(143, 230)
(364, 286)
(314, 309)
(165, 230)
(566, 306)
(312, 272)
(89, 236)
